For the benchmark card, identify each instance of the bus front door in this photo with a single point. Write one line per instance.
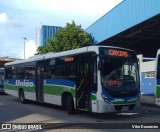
(82, 86)
(39, 83)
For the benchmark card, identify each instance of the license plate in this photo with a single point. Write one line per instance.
(125, 108)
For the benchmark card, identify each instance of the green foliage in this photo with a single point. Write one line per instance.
(67, 38)
(44, 49)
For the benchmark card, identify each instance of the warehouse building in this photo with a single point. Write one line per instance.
(47, 32)
(133, 24)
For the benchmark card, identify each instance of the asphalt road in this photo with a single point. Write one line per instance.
(54, 117)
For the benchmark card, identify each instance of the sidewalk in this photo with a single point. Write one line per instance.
(147, 100)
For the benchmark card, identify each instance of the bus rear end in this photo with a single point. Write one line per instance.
(119, 77)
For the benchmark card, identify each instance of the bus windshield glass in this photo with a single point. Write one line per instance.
(119, 74)
(1, 74)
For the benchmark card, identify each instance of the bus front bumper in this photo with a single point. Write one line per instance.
(108, 107)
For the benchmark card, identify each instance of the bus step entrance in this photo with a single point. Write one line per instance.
(82, 109)
(83, 102)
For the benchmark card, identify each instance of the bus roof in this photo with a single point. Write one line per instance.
(148, 59)
(60, 54)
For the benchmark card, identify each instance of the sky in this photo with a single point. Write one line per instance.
(21, 19)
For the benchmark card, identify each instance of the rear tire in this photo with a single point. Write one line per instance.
(70, 105)
(22, 97)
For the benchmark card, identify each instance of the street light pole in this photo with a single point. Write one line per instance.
(24, 45)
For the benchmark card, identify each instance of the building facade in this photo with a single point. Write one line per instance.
(4, 60)
(133, 24)
(47, 32)
(147, 75)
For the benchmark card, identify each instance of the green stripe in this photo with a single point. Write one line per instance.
(13, 87)
(48, 89)
(57, 90)
(157, 91)
(124, 102)
(93, 97)
(10, 87)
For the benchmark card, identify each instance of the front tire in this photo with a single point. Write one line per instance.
(70, 105)
(22, 97)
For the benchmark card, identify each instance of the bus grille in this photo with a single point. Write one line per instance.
(119, 107)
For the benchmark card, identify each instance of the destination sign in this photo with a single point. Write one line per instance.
(119, 53)
(69, 59)
(114, 52)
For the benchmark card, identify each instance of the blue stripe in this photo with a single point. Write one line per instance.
(60, 82)
(13, 81)
(158, 81)
(93, 92)
(107, 94)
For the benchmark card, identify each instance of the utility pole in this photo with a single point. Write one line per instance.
(24, 45)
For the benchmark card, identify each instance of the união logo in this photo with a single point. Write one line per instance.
(24, 83)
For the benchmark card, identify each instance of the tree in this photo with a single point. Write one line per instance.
(67, 38)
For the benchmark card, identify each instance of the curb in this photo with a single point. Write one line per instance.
(150, 105)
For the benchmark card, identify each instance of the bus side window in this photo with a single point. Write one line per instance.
(158, 67)
(94, 75)
(14, 74)
(8, 74)
(49, 72)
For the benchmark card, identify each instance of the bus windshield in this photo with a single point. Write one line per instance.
(119, 76)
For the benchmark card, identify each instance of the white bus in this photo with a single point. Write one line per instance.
(99, 79)
(157, 72)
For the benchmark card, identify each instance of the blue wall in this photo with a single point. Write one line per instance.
(147, 85)
(47, 32)
(127, 14)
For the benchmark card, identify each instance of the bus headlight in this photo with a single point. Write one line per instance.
(105, 98)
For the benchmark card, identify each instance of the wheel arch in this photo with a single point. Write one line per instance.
(20, 89)
(64, 99)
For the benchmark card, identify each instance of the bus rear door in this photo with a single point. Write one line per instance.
(39, 82)
(83, 90)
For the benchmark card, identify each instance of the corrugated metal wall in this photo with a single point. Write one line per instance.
(127, 14)
(147, 85)
(47, 32)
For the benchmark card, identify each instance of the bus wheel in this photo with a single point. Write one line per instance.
(21, 97)
(70, 105)
(64, 101)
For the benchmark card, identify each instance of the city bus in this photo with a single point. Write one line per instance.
(157, 72)
(1, 80)
(97, 79)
